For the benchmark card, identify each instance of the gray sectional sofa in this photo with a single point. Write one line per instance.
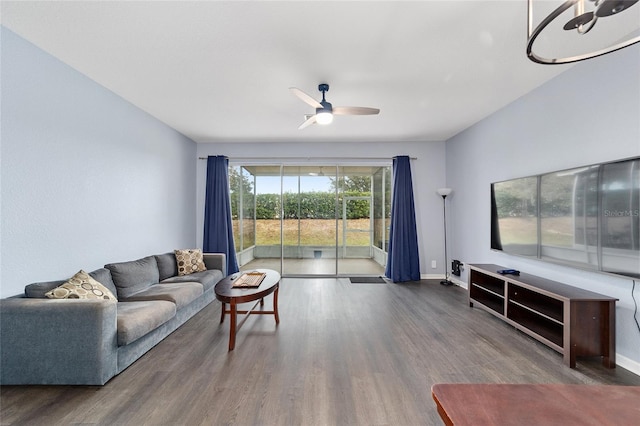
(88, 341)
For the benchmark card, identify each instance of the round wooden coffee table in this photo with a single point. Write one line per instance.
(227, 294)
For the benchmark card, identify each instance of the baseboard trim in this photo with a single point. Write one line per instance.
(431, 277)
(628, 364)
(453, 279)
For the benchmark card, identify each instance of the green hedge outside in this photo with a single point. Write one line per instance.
(310, 205)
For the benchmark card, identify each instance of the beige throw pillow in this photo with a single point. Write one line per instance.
(190, 261)
(81, 286)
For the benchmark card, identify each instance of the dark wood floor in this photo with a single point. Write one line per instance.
(343, 354)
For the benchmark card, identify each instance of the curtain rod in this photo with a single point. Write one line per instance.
(310, 158)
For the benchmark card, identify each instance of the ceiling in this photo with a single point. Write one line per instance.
(220, 71)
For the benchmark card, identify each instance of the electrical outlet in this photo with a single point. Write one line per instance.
(433, 264)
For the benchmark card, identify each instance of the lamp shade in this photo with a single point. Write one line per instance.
(444, 191)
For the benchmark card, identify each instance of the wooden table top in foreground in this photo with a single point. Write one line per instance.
(537, 404)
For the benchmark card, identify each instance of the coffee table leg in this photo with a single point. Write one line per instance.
(275, 305)
(232, 329)
(224, 308)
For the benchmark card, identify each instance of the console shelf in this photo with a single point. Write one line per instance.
(570, 320)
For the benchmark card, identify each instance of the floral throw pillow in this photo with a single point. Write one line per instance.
(190, 261)
(81, 286)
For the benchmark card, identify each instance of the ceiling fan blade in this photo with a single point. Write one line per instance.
(305, 97)
(355, 111)
(308, 122)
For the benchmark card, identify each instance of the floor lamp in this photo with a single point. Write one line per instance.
(443, 192)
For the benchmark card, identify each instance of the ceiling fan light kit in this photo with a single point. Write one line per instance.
(324, 117)
(324, 110)
(586, 14)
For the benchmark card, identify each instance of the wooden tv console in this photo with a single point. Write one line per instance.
(570, 320)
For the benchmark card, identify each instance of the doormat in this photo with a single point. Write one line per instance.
(367, 280)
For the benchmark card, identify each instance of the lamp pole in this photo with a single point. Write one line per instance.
(443, 192)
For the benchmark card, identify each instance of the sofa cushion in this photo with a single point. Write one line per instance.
(136, 319)
(179, 293)
(208, 278)
(103, 276)
(189, 261)
(167, 266)
(81, 286)
(38, 290)
(134, 276)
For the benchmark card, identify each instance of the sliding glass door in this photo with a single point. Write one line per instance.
(311, 220)
(364, 197)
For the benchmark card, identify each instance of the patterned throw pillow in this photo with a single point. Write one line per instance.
(81, 286)
(190, 261)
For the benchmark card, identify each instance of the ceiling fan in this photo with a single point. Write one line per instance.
(324, 110)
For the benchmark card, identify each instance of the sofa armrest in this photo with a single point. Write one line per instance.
(216, 261)
(68, 341)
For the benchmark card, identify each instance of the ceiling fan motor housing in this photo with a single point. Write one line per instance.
(326, 107)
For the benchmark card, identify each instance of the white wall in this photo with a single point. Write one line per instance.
(87, 178)
(428, 173)
(589, 114)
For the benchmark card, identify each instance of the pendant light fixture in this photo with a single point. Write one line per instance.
(585, 16)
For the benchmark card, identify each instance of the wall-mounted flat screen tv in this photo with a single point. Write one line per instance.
(588, 217)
